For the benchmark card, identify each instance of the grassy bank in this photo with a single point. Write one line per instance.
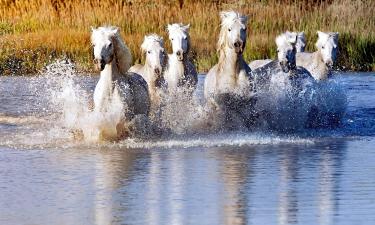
(35, 32)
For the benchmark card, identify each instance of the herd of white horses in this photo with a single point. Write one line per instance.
(231, 86)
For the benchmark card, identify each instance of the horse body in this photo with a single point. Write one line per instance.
(180, 72)
(153, 70)
(228, 85)
(320, 62)
(117, 89)
(284, 65)
(300, 47)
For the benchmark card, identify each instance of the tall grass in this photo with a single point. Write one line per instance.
(34, 32)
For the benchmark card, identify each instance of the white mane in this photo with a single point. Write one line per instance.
(287, 38)
(150, 40)
(121, 51)
(331, 37)
(183, 30)
(227, 19)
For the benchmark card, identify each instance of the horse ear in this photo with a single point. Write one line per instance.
(223, 15)
(143, 47)
(115, 30)
(187, 27)
(336, 36)
(321, 34)
(169, 27)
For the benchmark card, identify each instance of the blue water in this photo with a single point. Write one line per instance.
(324, 176)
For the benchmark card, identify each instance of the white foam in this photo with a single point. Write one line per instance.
(217, 140)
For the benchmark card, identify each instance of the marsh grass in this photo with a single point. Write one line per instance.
(34, 32)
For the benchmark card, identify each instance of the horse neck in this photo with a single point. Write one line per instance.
(150, 75)
(229, 61)
(110, 74)
(318, 63)
(177, 66)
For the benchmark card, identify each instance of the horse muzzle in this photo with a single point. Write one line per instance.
(284, 66)
(238, 47)
(157, 71)
(180, 55)
(329, 64)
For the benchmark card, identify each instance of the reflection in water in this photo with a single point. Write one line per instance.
(326, 197)
(292, 184)
(104, 172)
(175, 196)
(218, 185)
(236, 171)
(288, 201)
(330, 165)
(154, 190)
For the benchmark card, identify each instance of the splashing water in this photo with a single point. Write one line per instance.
(62, 110)
(74, 105)
(285, 108)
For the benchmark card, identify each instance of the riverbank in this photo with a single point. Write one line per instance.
(34, 33)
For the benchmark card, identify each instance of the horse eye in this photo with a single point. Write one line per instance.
(172, 39)
(322, 47)
(110, 45)
(149, 52)
(277, 50)
(229, 30)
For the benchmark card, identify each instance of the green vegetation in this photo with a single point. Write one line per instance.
(35, 32)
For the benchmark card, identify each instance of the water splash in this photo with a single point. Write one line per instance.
(285, 108)
(73, 103)
(61, 115)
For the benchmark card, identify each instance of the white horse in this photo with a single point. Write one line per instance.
(320, 62)
(300, 47)
(180, 72)
(229, 85)
(285, 63)
(284, 90)
(116, 87)
(153, 70)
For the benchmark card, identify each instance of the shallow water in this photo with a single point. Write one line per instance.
(324, 176)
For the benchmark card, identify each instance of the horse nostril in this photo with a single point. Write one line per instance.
(238, 44)
(157, 71)
(178, 53)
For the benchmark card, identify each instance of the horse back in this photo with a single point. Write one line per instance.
(138, 99)
(262, 75)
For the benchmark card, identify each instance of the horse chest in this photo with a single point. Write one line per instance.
(174, 75)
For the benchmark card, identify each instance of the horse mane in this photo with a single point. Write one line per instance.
(150, 39)
(227, 19)
(123, 55)
(287, 38)
(323, 37)
(121, 51)
(182, 29)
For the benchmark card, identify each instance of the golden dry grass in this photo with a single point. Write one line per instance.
(35, 32)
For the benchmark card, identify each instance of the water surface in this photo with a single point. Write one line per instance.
(323, 177)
